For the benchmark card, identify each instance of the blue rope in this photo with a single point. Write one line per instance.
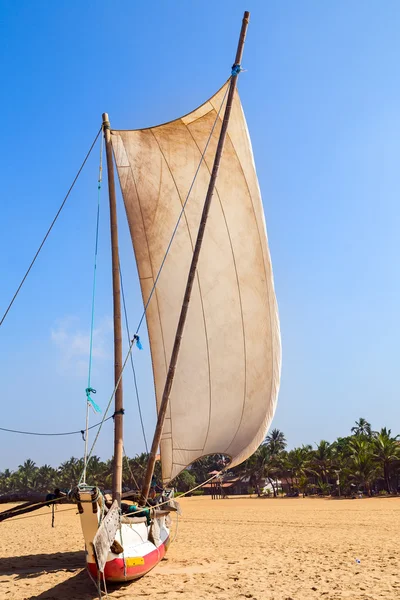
(95, 406)
(137, 341)
(236, 69)
(89, 389)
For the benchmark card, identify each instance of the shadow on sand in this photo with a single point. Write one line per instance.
(78, 585)
(33, 565)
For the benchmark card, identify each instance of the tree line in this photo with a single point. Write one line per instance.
(365, 460)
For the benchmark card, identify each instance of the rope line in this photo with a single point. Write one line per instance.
(132, 365)
(99, 182)
(130, 470)
(191, 490)
(49, 230)
(109, 404)
(96, 584)
(12, 519)
(176, 529)
(81, 431)
(89, 401)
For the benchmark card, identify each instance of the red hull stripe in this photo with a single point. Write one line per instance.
(114, 569)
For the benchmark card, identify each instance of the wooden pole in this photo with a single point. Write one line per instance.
(193, 266)
(119, 404)
(30, 507)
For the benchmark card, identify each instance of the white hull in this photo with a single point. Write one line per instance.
(143, 545)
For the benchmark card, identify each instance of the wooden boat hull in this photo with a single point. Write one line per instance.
(130, 568)
(141, 543)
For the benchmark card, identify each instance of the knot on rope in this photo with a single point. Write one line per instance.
(136, 340)
(236, 69)
(74, 493)
(90, 400)
(121, 411)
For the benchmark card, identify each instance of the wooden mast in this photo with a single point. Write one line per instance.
(119, 404)
(193, 266)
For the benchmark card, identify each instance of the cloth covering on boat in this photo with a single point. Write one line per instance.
(137, 511)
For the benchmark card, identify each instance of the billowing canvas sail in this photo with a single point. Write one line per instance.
(227, 378)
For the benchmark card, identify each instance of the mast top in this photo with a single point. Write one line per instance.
(242, 37)
(106, 122)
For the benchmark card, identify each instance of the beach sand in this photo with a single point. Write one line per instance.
(283, 549)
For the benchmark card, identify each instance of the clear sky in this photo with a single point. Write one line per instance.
(321, 95)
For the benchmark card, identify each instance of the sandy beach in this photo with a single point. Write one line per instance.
(285, 549)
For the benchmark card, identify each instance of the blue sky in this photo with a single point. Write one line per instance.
(321, 95)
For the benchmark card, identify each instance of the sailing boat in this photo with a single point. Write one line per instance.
(210, 308)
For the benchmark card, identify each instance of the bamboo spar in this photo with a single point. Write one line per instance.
(193, 267)
(118, 413)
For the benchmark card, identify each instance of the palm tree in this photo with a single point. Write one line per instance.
(361, 466)
(322, 460)
(362, 427)
(27, 475)
(138, 467)
(298, 463)
(5, 481)
(275, 442)
(46, 478)
(258, 467)
(386, 452)
(202, 467)
(96, 471)
(185, 481)
(70, 472)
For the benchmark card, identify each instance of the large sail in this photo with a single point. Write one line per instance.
(227, 378)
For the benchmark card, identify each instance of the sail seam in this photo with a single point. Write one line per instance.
(188, 450)
(149, 255)
(212, 109)
(266, 282)
(240, 302)
(197, 272)
(159, 192)
(152, 271)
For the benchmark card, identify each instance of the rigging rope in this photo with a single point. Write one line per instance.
(193, 489)
(81, 431)
(132, 343)
(89, 401)
(49, 230)
(133, 366)
(12, 519)
(130, 470)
